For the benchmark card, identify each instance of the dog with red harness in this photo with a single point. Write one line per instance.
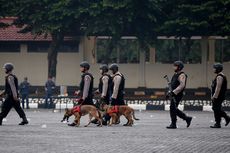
(116, 111)
(82, 110)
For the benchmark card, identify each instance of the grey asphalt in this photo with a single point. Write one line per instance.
(46, 134)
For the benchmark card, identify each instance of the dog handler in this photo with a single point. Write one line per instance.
(104, 89)
(178, 83)
(219, 88)
(11, 92)
(118, 86)
(86, 85)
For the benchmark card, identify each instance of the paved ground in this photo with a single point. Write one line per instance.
(46, 134)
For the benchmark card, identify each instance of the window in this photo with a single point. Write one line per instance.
(222, 50)
(8, 46)
(124, 51)
(69, 46)
(38, 46)
(66, 46)
(170, 50)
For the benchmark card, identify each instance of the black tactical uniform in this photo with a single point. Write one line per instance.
(106, 99)
(10, 101)
(175, 83)
(89, 99)
(120, 96)
(217, 100)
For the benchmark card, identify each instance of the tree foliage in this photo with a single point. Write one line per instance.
(115, 18)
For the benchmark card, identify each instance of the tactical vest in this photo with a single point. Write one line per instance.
(175, 83)
(82, 83)
(223, 88)
(8, 90)
(100, 87)
(121, 86)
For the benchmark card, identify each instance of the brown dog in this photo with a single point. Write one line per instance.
(82, 110)
(115, 113)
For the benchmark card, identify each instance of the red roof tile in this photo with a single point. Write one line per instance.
(10, 33)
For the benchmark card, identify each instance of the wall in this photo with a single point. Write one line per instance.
(34, 66)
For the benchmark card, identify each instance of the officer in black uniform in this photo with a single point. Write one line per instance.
(11, 92)
(219, 88)
(178, 84)
(104, 89)
(86, 85)
(24, 91)
(117, 86)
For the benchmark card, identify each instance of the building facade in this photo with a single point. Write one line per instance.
(29, 55)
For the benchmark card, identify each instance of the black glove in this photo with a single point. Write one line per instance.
(214, 100)
(113, 101)
(170, 94)
(80, 101)
(102, 100)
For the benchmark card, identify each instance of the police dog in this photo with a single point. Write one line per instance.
(82, 110)
(125, 110)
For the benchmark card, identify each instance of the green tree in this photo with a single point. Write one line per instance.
(57, 18)
(188, 18)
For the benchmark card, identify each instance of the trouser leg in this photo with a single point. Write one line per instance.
(18, 109)
(23, 101)
(217, 111)
(173, 112)
(6, 107)
(27, 101)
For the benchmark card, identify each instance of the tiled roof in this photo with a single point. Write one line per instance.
(11, 33)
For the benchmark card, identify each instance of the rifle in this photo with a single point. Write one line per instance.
(170, 89)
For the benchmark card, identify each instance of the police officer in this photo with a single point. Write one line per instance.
(219, 88)
(49, 87)
(117, 85)
(11, 92)
(178, 83)
(24, 91)
(86, 85)
(104, 84)
(104, 89)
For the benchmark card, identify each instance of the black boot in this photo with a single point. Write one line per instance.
(227, 121)
(188, 121)
(215, 126)
(72, 124)
(24, 121)
(171, 126)
(95, 121)
(1, 121)
(104, 122)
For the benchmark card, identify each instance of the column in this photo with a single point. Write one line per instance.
(89, 49)
(23, 49)
(204, 50)
(141, 79)
(152, 54)
(211, 43)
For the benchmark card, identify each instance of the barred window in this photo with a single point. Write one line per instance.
(170, 50)
(124, 51)
(65, 47)
(8, 46)
(222, 50)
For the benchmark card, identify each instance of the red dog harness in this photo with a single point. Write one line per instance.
(114, 109)
(76, 109)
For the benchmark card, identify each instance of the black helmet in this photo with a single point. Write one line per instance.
(179, 64)
(218, 67)
(85, 65)
(113, 67)
(8, 66)
(104, 68)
